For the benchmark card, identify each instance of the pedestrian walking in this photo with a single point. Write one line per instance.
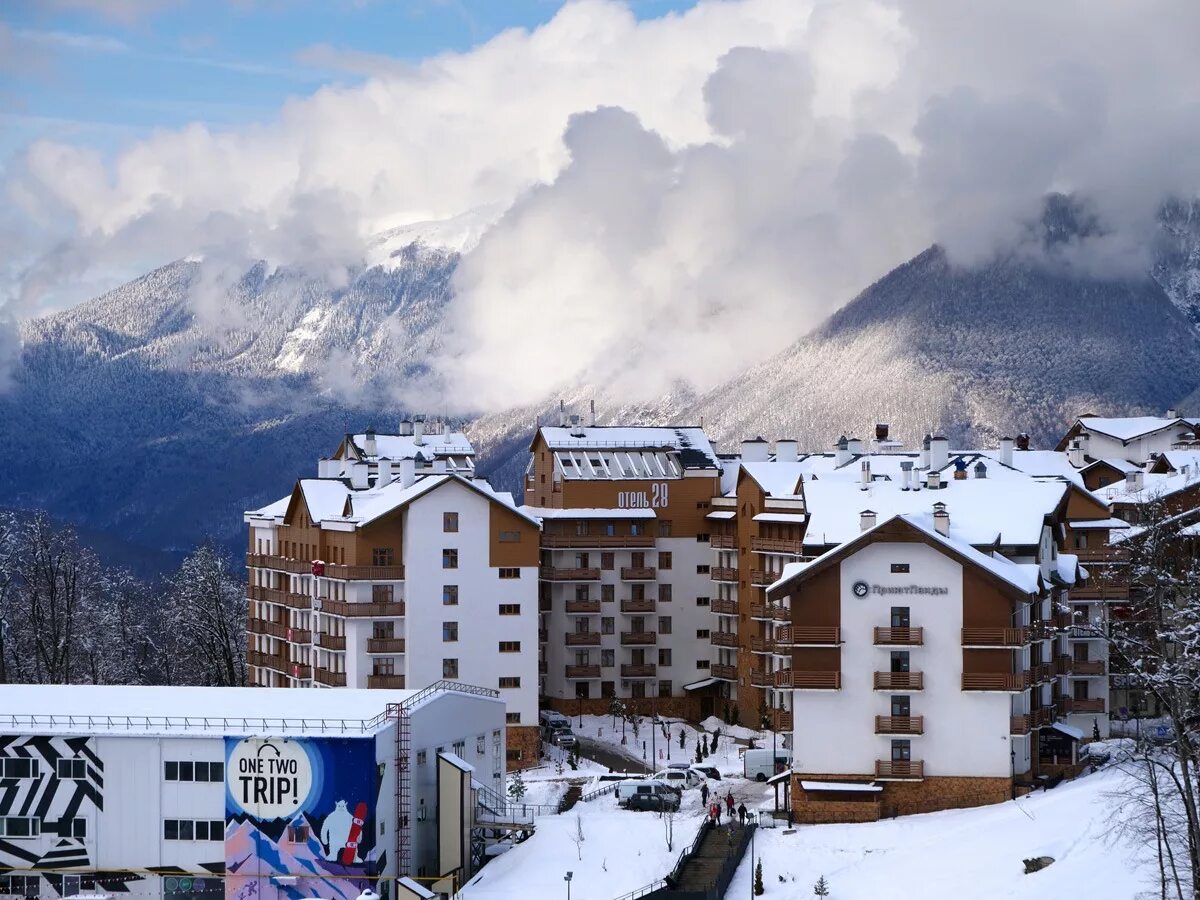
(716, 811)
(742, 813)
(704, 795)
(729, 803)
(791, 818)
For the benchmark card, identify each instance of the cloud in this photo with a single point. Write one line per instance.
(125, 12)
(685, 195)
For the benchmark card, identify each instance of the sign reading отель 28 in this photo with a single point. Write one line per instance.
(655, 498)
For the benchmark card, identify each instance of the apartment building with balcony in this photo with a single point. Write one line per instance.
(396, 568)
(624, 594)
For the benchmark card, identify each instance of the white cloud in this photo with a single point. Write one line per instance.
(687, 194)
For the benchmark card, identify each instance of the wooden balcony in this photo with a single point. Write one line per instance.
(1019, 725)
(289, 599)
(1090, 705)
(761, 578)
(276, 661)
(1008, 682)
(770, 613)
(332, 679)
(722, 541)
(639, 638)
(995, 637)
(1103, 554)
(762, 645)
(777, 545)
(583, 607)
(638, 573)
(364, 573)
(760, 677)
(899, 681)
(550, 573)
(385, 645)
(581, 672)
(583, 638)
(723, 672)
(595, 541)
(262, 626)
(279, 563)
(394, 682)
(899, 637)
(302, 671)
(723, 607)
(1042, 717)
(782, 720)
(298, 635)
(791, 679)
(723, 638)
(723, 573)
(632, 605)
(808, 636)
(899, 724)
(1039, 673)
(900, 770)
(331, 641)
(373, 609)
(1087, 668)
(638, 670)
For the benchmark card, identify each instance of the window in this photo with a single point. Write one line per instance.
(20, 768)
(607, 561)
(510, 537)
(608, 593)
(702, 539)
(664, 593)
(510, 681)
(509, 572)
(664, 624)
(459, 749)
(510, 609)
(608, 690)
(20, 826)
(450, 522)
(512, 718)
(449, 632)
(449, 668)
(610, 530)
(664, 530)
(383, 666)
(901, 706)
(702, 504)
(635, 528)
(421, 757)
(513, 754)
(899, 568)
(665, 560)
(607, 624)
(664, 688)
(74, 769)
(1081, 540)
(581, 690)
(72, 828)
(702, 601)
(510, 646)
(193, 830)
(20, 886)
(581, 528)
(608, 658)
(901, 751)
(703, 570)
(581, 592)
(297, 834)
(900, 661)
(702, 664)
(637, 689)
(901, 617)
(449, 559)
(187, 771)
(664, 656)
(382, 556)
(449, 595)
(702, 634)
(383, 630)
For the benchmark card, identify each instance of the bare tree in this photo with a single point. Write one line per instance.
(206, 613)
(577, 837)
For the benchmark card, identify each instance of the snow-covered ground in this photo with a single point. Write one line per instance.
(974, 853)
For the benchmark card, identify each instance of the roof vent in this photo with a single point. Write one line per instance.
(881, 431)
(1172, 413)
(406, 427)
(369, 446)
(866, 519)
(1022, 441)
(980, 470)
(941, 519)
(842, 451)
(577, 428)
(866, 474)
(1006, 451)
(1134, 480)
(933, 479)
(906, 474)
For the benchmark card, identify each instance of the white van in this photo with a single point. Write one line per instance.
(680, 778)
(552, 720)
(626, 789)
(763, 764)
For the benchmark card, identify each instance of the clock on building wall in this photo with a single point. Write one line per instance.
(861, 589)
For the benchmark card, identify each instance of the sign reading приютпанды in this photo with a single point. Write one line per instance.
(862, 589)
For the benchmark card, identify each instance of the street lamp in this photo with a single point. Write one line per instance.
(752, 862)
(567, 878)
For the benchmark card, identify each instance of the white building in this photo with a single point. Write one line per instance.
(209, 792)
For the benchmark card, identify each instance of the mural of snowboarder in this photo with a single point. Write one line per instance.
(341, 833)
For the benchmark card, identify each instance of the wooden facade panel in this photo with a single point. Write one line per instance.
(978, 662)
(984, 605)
(507, 553)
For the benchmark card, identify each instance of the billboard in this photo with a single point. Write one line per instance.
(300, 817)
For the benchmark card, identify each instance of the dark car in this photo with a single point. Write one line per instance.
(665, 802)
(708, 771)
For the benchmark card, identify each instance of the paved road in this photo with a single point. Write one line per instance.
(607, 756)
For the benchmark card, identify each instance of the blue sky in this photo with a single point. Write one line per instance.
(101, 72)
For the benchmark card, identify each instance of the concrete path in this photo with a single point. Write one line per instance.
(611, 757)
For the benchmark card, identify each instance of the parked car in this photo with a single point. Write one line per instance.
(681, 778)
(548, 718)
(707, 771)
(763, 764)
(668, 802)
(564, 737)
(627, 790)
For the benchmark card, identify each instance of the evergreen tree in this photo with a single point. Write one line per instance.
(682, 738)
(705, 745)
(516, 786)
(821, 888)
(759, 887)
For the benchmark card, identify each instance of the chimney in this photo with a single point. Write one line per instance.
(419, 430)
(941, 519)
(1172, 413)
(786, 450)
(327, 468)
(933, 479)
(1022, 441)
(369, 446)
(866, 519)
(960, 470)
(577, 428)
(358, 475)
(439, 466)
(1075, 454)
(755, 450)
(939, 452)
(866, 474)
(592, 415)
(407, 471)
(906, 474)
(1006, 451)
(924, 458)
(562, 414)
(842, 448)
(980, 470)
(881, 431)
(1134, 480)
(855, 446)
(384, 477)
(406, 427)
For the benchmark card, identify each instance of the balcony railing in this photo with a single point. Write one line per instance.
(373, 609)
(899, 724)
(1041, 717)
(639, 638)
(289, 599)
(1042, 672)
(279, 563)
(298, 635)
(902, 770)
(299, 670)
(723, 573)
(808, 635)
(994, 637)
(723, 607)
(550, 573)
(770, 612)
(1019, 724)
(723, 672)
(995, 681)
(722, 541)
(636, 605)
(762, 645)
(1090, 705)
(899, 681)
(1103, 554)
(587, 541)
(385, 645)
(332, 679)
(761, 578)
(638, 670)
(331, 641)
(278, 662)
(760, 677)
(364, 573)
(777, 545)
(782, 720)
(395, 682)
(583, 639)
(586, 607)
(262, 626)
(807, 681)
(583, 671)
(1088, 667)
(900, 637)
(723, 638)
(638, 573)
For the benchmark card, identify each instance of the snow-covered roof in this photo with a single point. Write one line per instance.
(196, 711)
(692, 444)
(1128, 428)
(324, 497)
(417, 890)
(368, 505)
(457, 761)
(1085, 524)
(1121, 465)
(545, 512)
(782, 518)
(702, 683)
(405, 446)
(721, 514)
(847, 786)
(1068, 566)
(1153, 487)
(1050, 463)
(777, 479)
(272, 510)
(1069, 730)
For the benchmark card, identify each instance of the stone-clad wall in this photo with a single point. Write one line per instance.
(818, 812)
(902, 798)
(527, 740)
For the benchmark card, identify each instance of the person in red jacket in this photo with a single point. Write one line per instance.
(729, 803)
